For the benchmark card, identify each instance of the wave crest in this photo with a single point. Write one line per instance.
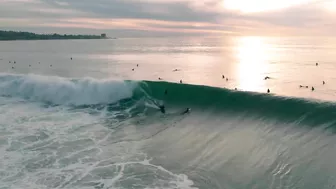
(65, 91)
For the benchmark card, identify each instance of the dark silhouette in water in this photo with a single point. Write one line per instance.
(313, 89)
(71, 58)
(301, 86)
(181, 81)
(316, 64)
(160, 78)
(10, 62)
(268, 91)
(137, 65)
(133, 69)
(12, 67)
(235, 89)
(29, 65)
(14, 62)
(307, 86)
(323, 82)
(186, 111)
(166, 92)
(50, 65)
(223, 76)
(162, 109)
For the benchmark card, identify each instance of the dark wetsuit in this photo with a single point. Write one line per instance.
(162, 109)
(186, 111)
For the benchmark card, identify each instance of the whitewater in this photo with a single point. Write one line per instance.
(93, 122)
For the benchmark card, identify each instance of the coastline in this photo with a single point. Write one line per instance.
(28, 36)
(54, 39)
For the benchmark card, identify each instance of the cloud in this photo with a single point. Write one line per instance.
(185, 17)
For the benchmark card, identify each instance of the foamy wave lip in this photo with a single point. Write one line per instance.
(65, 91)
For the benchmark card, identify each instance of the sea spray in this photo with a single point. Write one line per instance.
(64, 91)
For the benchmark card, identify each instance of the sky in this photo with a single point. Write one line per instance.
(127, 18)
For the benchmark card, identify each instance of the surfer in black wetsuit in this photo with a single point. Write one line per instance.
(162, 109)
(186, 111)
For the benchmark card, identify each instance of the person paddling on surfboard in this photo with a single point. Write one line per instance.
(186, 111)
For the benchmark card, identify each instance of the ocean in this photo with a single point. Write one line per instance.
(85, 113)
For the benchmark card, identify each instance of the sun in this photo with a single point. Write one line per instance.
(251, 6)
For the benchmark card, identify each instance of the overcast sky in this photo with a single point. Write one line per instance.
(171, 17)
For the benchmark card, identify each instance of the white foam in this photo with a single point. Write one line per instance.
(65, 91)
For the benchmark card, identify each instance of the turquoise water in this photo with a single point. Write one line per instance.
(92, 122)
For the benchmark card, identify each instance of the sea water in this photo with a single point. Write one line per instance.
(84, 113)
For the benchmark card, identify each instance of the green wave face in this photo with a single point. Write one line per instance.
(218, 100)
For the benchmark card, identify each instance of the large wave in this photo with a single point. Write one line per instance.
(263, 106)
(88, 91)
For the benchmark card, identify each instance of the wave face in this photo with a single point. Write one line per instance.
(62, 91)
(254, 104)
(88, 91)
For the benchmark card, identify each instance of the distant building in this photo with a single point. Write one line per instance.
(103, 35)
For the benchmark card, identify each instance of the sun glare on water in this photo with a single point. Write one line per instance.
(252, 58)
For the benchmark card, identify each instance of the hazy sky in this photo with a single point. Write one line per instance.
(171, 17)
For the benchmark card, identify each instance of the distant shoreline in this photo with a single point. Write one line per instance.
(28, 36)
(49, 39)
